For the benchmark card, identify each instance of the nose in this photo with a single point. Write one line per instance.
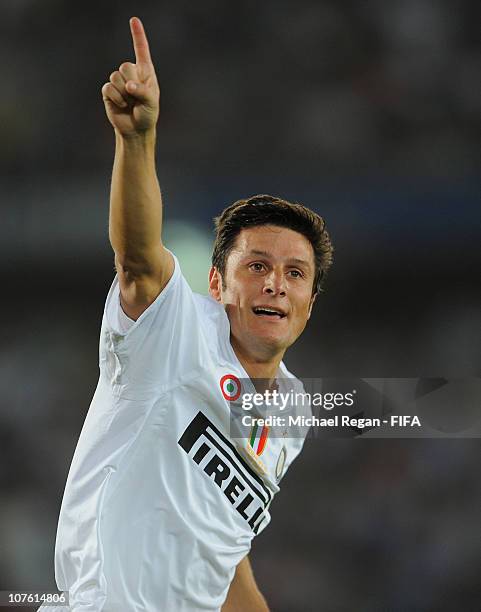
(274, 283)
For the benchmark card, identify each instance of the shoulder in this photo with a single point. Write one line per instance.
(214, 321)
(210, 309)
(291, 379)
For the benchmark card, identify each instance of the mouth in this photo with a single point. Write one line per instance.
(268, 312)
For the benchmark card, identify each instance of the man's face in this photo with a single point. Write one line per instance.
(268, 288)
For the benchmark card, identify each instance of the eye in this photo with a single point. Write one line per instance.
(295, 273)
(256, 266)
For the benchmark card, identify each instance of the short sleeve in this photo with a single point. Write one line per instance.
(159, 350)
(119, 321)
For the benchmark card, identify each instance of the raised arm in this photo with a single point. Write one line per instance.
(131, 99)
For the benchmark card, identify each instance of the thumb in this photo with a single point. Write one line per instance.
(139, 91)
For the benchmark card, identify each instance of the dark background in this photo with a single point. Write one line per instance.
(369, 113)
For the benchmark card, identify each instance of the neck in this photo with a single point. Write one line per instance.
(265, 367)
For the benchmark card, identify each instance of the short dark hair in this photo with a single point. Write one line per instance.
(269, 210)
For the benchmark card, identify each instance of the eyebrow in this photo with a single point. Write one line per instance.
(301, 262)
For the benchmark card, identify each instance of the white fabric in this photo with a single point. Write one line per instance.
(119, 321)
(150, 521)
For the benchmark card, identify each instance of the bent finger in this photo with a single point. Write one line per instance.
(129, 72)
(140, 91)
(118, 82)
(111, 94)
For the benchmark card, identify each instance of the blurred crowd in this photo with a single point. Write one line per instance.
(327, 85)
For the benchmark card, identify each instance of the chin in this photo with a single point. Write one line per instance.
(273, 342)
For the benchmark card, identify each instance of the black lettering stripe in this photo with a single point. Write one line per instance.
(193, 431)
(201, 453)
(242, 460)
(197, 427)
(239, 469)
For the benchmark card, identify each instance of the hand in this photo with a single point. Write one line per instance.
(131, 96)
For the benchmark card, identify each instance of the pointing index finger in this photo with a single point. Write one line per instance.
(141, 44)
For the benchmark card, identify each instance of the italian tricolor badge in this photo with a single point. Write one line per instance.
(258, 438)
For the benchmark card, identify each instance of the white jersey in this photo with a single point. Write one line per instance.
(160, 503)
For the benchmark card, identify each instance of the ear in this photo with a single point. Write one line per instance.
(311, 304)
(215, 284)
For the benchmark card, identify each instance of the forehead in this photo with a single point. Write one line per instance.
(281, 243)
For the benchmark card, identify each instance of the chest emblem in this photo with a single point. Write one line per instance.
(231, 387)
(258, 439)
(256, 445)
(280, 463)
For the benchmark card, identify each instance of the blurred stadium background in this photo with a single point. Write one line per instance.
(370, 113)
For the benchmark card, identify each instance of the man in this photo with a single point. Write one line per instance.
(161, 504)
